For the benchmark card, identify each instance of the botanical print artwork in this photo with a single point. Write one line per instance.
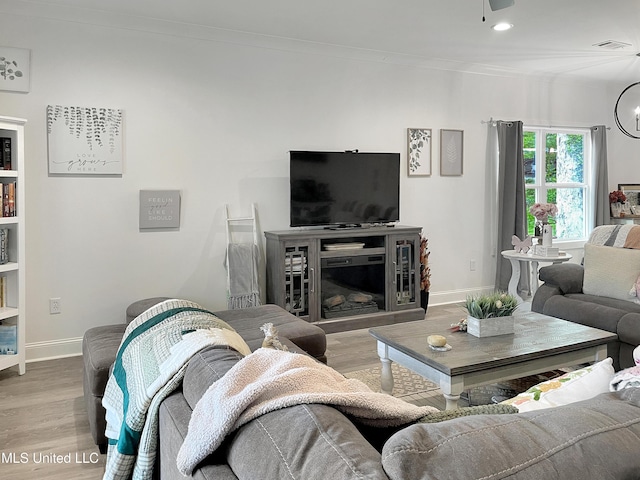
(84, 141)
(14, 69)
(451, 146)
(419, 151)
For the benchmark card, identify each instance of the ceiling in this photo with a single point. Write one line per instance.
(550, 37)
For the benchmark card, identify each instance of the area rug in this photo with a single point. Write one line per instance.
(412, 386)
(405, 382)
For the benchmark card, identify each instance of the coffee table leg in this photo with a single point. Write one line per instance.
(386, 377)
(451, 390)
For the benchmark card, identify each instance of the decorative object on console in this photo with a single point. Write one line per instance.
(14, 69)
(84, 141)
(419, 151)
(490, 315)
(521, 246)
(451, 152)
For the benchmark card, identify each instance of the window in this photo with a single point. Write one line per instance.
(557, 170)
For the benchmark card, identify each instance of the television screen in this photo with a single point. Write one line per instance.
(344, 188)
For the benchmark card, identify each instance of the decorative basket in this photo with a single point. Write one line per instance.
(490, 327)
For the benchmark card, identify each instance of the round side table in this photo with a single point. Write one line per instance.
(516, 257)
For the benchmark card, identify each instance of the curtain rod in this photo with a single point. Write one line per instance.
(491, 120)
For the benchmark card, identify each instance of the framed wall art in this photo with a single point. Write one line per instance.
(451, 152)
(84, 141)
(15, 67)
(159, 209)
(419, 152)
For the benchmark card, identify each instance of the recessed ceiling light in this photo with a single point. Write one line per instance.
(502, 26)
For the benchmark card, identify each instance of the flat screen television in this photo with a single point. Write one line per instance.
(344, 188)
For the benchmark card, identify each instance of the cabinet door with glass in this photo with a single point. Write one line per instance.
(292, 266)
(404, 285)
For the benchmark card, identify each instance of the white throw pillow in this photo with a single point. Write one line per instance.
(571, 387)
(610, 271)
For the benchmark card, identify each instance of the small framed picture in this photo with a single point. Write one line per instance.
(451, 152)
(632, 192)
(419, 152)
(15, 67)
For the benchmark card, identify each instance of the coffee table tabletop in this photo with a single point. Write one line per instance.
(540, 343)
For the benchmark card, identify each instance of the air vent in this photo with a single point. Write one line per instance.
(612, 44)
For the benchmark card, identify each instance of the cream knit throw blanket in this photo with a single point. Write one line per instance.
(268, 380)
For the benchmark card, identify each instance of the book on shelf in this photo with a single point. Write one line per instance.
(4, 245)
(8, 339)
(9, 199)
(5, 153)
(3, 291)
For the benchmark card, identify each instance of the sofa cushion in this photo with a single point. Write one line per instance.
(590, 310)
(596, 438)
(568, 277)
(173, 424)
(610, 271)
(580, 384)
(303, 441)
(206, 367)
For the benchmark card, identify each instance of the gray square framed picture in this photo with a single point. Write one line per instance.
(159, 209)
(451, 152)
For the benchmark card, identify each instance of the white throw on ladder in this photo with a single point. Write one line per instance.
(242, 259)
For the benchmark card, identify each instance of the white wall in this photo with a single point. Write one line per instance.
(215, 118)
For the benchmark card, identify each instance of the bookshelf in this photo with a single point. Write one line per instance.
(12, 296)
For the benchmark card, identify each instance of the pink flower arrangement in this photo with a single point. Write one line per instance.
(542, 211)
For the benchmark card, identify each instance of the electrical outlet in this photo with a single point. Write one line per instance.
(55, 306)
(472, 265)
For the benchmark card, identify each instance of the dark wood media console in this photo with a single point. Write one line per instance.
(343, 279)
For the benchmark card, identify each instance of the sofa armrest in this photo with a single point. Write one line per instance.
(568, 277)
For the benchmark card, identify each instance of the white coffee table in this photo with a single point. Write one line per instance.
(516, 257)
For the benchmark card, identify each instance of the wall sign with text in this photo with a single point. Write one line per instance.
(159, 209)
(84, 141)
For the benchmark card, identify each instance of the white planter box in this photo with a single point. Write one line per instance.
(490, 327)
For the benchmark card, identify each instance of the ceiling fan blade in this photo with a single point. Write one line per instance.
(500, 4)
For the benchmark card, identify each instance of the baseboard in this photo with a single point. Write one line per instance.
(456, 296)
(40, 351)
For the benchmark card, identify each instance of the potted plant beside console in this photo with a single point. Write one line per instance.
(490, 315)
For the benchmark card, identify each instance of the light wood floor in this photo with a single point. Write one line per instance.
(44, 432)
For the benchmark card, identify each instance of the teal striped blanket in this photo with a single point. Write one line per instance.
(150, 364)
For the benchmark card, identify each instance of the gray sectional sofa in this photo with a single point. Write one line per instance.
(598, 438)
(599, 292)
(593, 439)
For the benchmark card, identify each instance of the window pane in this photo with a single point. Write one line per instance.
(529, 152)
(569, 222)
(569, 161)
(530, 194)
(551, 149)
